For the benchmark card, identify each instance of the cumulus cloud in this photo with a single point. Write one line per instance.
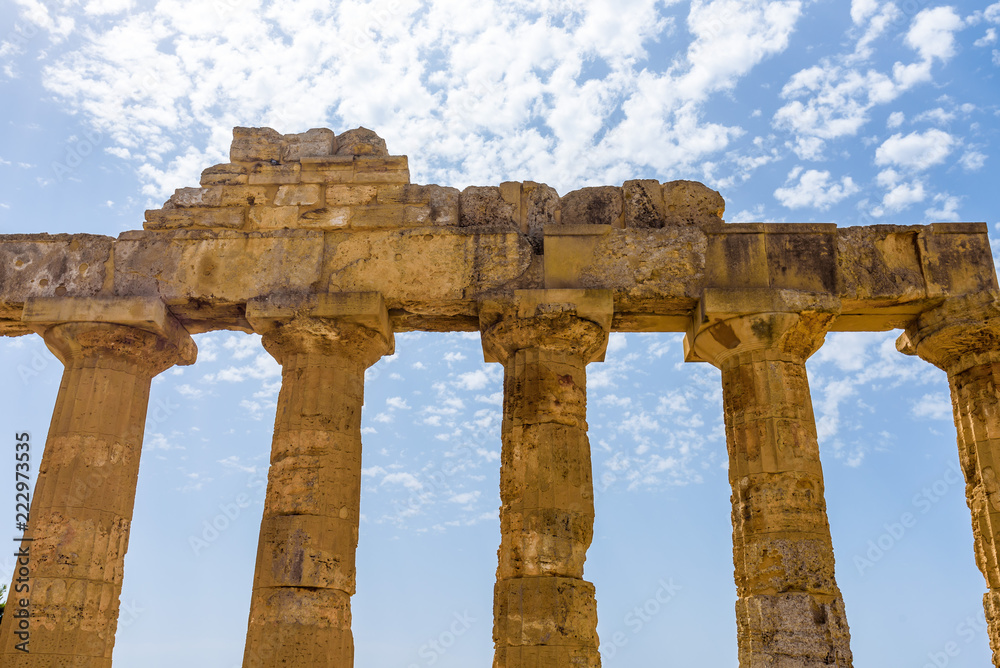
(834, 98)
(513, 89)
(813, 188)
(917, 150)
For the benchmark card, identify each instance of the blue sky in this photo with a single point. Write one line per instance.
(857, 113)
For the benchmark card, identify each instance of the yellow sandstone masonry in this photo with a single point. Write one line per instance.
(82, 505)
(319, 242)
(300, 610)
(789, 612)
(545, 613)
(962, 337)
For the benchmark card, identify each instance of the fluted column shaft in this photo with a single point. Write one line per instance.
(962, 337)
(789, 610)
(545, 613)
(300, 610)
(81, 509)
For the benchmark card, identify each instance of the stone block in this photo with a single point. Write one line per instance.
(307, 551)
(255, 144)
(334, 171)
(692, 203)
(393, 169)
(350, 195)
(318, 142)
(244, 195)
(602, 205)
(226, 218)
(361, 141)
(50, 265)
(324, 218)
(483, 206)
(272, 217)
(188, 197)
(545, 611)
(298, 195)
(643, 200)
(276, 174)
(226, 174)
(205, 271)
(540, 204)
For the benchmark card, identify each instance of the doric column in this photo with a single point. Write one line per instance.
(81, 509)
(962, 337)
(545, 613)
(789, 609)
(300, 609)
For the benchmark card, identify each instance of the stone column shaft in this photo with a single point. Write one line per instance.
(300, 610)
(789, 610)
(81, 507)
(962, 337)
(545, 613)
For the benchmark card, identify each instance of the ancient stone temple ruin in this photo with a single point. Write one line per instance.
(319, 243)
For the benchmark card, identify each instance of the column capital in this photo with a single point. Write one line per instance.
(353, 324)
(960, 333)
(129, 327)
(562, 319)
(729, 322)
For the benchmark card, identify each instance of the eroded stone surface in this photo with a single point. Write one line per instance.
(790, 610)
(299, 233)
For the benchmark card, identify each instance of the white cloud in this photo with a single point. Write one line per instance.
(972, 161)
(917, 150)
(397, 403)
(936, 406)
(989, 38)
(932, 33)
(814, 189)
(473, 380)
(946, 209)
(407, 480)
(904, 195)
(896, 119)
(862, 9)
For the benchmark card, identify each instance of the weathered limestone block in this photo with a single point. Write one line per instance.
(81, 509)
(545, 614)
(601, 205)
(48, 265)
(361, 141)
(226, 174)
(309, 531)
(644, 206)
(317, 142)
(255, 144)
(692, 203)
(790, 610)
(485, 206)
(796, 256)
(437, 205)
(200, 218)
(264, 173)
(655, 290)
(267, 218)
(962, 337)
(540, 204)
(880, 261)
(214, 272)
(420, 269)
(298, 195)
(407, 206)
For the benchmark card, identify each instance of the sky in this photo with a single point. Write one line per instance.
(855, 113)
